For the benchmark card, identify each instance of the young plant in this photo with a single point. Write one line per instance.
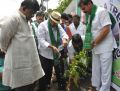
(78, 67)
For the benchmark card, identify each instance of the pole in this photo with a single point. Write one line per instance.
(47, 5)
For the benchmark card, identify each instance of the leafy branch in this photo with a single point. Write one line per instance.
(78, 67)
(63, 4)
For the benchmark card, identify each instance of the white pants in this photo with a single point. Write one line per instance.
(101, 71)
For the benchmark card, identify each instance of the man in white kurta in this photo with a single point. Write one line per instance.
(22, 65)
(102, 53)
(103, 44)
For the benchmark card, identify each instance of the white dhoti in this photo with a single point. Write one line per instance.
(101, 71)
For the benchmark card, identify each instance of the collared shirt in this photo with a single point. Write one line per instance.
(102, 19)
(80, 29)
(44, 39)
(21, 65)
(23, 16)
(71, 50)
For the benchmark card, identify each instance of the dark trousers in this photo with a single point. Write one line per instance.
(37, 86)
(30, 87)
(41, 85)
(47, 65)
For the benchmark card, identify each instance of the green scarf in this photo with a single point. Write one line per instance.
(54, 42)
(88, 35)
(33, 28)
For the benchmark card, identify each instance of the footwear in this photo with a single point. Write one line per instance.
(91, 88)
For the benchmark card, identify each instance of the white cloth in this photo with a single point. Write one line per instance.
(44, 39)
(71, 50)
(102, 53)
(22, 65)
(101, 71)
(102, 19)
(80, 30)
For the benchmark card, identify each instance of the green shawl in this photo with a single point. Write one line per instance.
(54, 42)
(88, 36)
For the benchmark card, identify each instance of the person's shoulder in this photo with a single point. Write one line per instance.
(81, 23)
(71, 24)
(70, 44)
(45, 22)
(11, 17)
(101, 9)
(14, 14)
(60, 27)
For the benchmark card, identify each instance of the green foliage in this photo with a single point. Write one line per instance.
(78, 67)
(63, 4)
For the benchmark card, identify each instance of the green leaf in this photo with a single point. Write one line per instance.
(78, 67)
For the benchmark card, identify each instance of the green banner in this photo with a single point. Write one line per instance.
(116, 72)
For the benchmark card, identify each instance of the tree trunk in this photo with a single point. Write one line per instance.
(71, 85)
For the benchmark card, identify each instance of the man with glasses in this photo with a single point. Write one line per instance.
(22, 67)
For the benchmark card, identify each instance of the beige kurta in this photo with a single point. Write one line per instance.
(22, 65)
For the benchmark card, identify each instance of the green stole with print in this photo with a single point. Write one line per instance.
(88, 35)
(54, 42)
(33, 28)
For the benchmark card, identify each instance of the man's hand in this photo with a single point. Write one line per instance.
(93, 44)
(2, 52)
(55, 49)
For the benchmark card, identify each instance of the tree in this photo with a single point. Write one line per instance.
(63, 4)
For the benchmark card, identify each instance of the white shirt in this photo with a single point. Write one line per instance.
(80, 29)
(22, 64)
(102, 19)
(44, 39)
(71, 50)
